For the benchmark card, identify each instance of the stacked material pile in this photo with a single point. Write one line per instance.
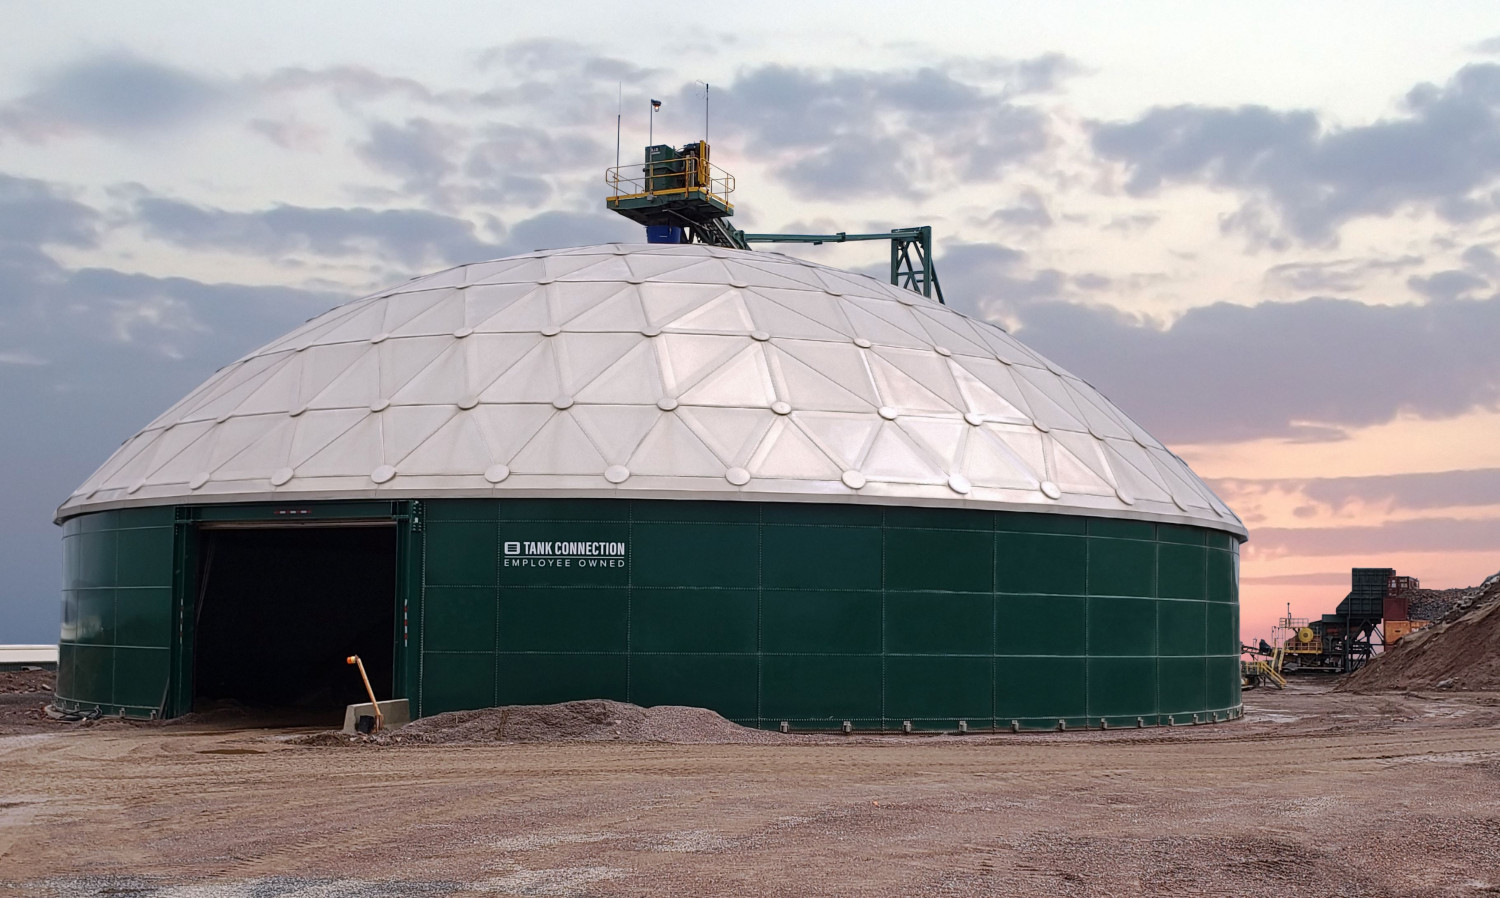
(593, 720)
(1436, 604)
(1462, 651)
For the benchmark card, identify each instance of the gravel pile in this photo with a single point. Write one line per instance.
(1461, 651)
(594, 720)
(1436, 604)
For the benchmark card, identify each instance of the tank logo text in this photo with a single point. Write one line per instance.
(525, 553)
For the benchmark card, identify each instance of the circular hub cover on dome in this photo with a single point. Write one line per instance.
(666, 371)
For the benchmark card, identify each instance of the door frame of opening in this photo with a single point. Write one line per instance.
(192, 520)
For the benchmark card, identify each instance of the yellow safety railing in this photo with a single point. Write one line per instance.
(683, 175)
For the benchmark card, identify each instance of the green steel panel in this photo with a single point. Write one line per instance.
(693, 555)
(1177, 533)
(820, 622)
(723, 683)
(1020, 522)
(939, 624)
(1221, 579)
(820, 688)
(1120, 567)
(939, 519)
(68, 631)
(461, 554)
(1122, 687)
(145, 557)
(673, 512)
(96, 617)
(952, 560)
(477, 510)
(143, 617)
(563, 620)
(456, 682)
(141, 676)
(1120, 528)
(1121, 626)
(1183, 572)
(98, 522)
(1223, 635)
(1184, 628)
(1045, 688)
(563, 510)
(1040, 625)
(939, 688)
(1217, 539)
(537, 679)
(459, 618)
(93, 674)
(1224, 682)
(1039, 563)
(1184, 685)
(96, 560)
(822, 514)
(821, 557)
(693, 620)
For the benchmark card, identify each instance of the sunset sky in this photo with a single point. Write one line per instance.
(1268, 231)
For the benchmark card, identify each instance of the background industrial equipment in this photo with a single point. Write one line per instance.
(1376, 612)
(681, 197)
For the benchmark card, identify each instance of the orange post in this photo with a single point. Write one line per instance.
(379, 718)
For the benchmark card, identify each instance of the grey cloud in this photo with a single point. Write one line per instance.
(1446, 286)
(550, 230)
(1488, 46)
(1422, 491)
(992, 280)
(1037, 75)
(351, 83)
(1030, 211)
(1442, 153)
(855, 132)
(89, 357)
(111, 94)
(413, 237)
(1132, 223)
(1336, 276)
(563, 56)
(35, 213)
(1375, 543)
(417, 152)
(1482, 259)
(1306, 370)
(1330, 578)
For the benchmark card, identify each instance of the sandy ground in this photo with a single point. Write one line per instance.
(1313, 793)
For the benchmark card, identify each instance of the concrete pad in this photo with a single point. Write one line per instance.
(396, 712)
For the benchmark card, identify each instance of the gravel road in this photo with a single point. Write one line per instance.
(1313, 793)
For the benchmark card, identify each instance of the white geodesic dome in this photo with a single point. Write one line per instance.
(654, 371)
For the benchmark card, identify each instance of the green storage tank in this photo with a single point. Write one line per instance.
(664, 474)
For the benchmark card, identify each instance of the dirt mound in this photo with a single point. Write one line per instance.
(25, 682)
(594, 720)
(1461, 652)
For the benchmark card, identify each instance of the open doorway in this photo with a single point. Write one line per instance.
(280, 608)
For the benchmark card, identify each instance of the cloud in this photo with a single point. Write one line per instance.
(1374, 543)
(557, 229)
(1309, 178)
(1336, 276)
(842, 132)
(1421, 491)
(417, 152)
(1029, 211)
(413, 237)
(1304, 370)
(35, 213)
(111, 94)
(1447, 286)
